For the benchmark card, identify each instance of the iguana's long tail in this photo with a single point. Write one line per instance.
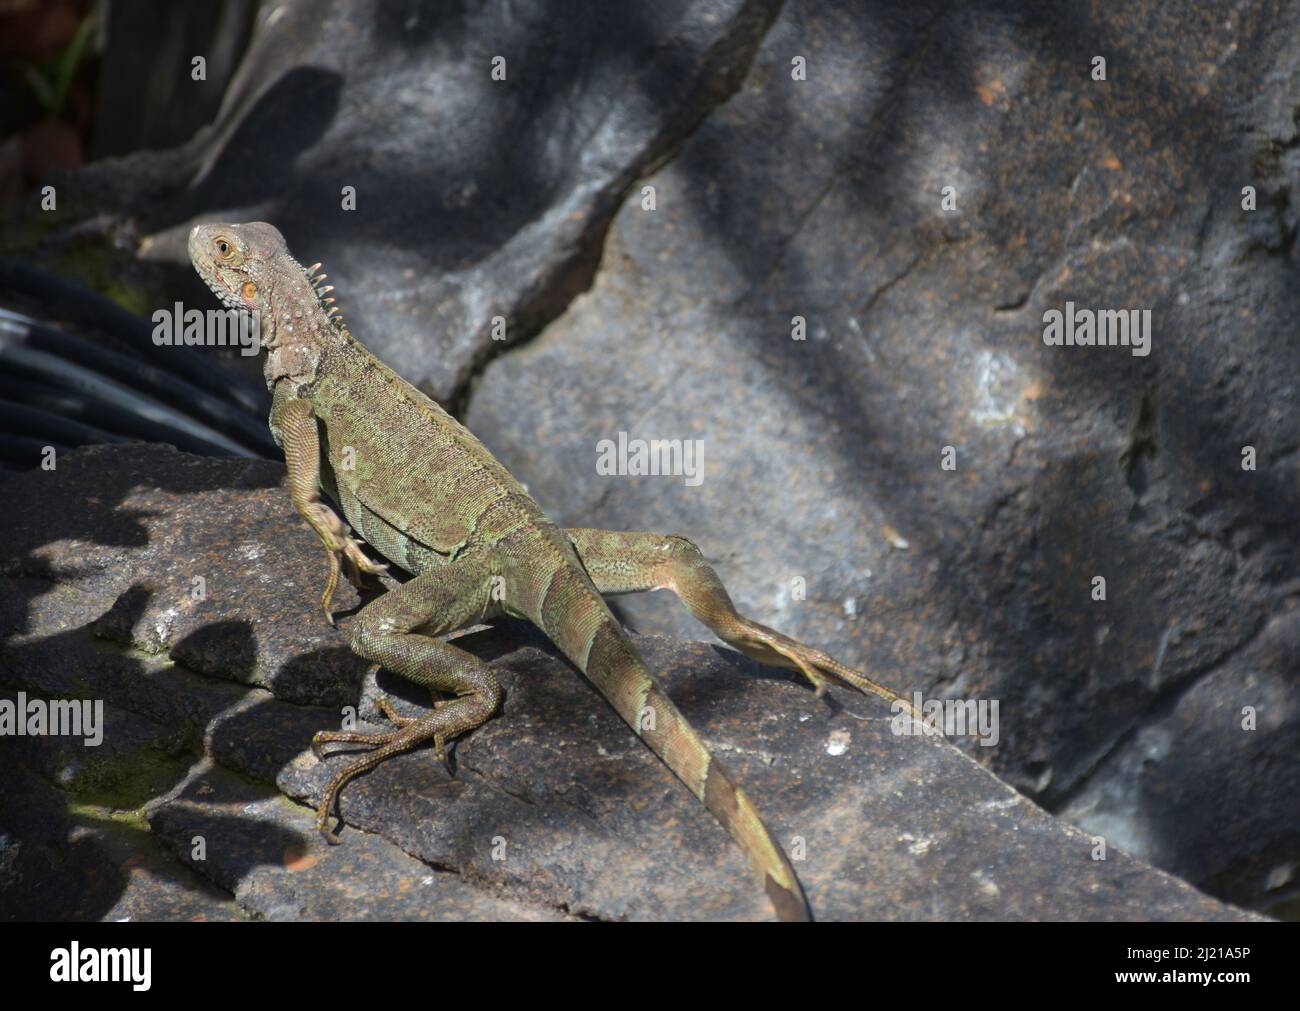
(575, 617)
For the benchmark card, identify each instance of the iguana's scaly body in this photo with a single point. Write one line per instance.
(428, 496)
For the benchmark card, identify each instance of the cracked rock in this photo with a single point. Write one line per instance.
(554, 808)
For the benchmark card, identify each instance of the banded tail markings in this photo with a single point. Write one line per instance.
(613, 666)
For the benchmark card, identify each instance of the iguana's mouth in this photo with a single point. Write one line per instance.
(227, 299)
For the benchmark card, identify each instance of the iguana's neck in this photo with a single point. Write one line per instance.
(303, 321)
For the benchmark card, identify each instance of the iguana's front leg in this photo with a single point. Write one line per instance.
(630, 561)
(441, 600)
(294, 425)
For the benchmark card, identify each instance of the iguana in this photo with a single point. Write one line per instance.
(428, 496)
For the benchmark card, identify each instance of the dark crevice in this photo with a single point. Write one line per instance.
(582, 915)
(900, 276)
(1140, 449)
(1016, 304)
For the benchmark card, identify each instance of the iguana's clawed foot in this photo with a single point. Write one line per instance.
(384, 745)
(411, 731)
(345, 555)
(385, 705)
(768, 646)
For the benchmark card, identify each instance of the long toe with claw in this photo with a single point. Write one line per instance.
(383, 745)
(358, 562)
(386, 707)
(768, 646)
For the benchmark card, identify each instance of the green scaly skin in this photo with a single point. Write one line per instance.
(429, 497)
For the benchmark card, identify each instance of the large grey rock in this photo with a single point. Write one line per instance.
(555, 808)
(821, 198)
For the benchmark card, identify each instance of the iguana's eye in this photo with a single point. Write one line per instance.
(223, 247)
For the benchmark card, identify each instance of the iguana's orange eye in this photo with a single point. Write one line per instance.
(250, 291)
(223, 247)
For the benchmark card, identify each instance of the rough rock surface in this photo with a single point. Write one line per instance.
(823, 457)
(555, 810)
(825, 503)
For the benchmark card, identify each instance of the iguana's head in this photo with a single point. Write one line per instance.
(238, 262)
(249, 268)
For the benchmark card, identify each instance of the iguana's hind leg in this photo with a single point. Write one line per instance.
(628, 562)
(436, 602)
